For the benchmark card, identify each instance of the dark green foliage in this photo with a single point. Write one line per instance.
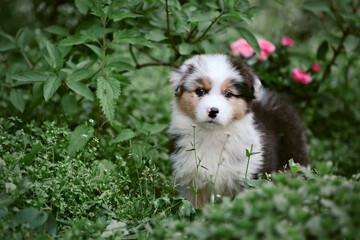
(85, 103)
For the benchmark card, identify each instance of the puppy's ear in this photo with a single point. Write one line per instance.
(257, 86)
(178, 77)
(177, 80)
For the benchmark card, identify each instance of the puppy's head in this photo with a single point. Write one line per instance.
(214, 90)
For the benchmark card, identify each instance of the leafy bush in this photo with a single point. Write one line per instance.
(291, 208)
(85, 103)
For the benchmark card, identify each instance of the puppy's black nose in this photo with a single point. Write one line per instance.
(213, 111)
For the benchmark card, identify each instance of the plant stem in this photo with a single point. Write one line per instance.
(207, 29)
(170, 36)
(27, 59)
(221, 160)
(197, 161)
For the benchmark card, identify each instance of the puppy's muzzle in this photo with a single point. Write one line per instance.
(213, 111)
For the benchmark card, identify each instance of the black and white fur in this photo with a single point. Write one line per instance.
(225, 101)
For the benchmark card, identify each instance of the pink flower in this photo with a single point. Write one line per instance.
(316, 67)
(263, 56)
(301, 76)
(287, 42)
(242, 47)
(266, 46)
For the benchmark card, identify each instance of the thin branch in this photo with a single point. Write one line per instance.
(170, 36)
(207, 29)
(146, 53)
(133, 55)
(27, 59)
(4, 61)
(149, 65)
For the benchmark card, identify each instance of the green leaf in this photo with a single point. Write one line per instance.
(121, 66)
(127, 36)
(51, 85)
(250, 38)
(182, 18)
(50, 224)
(82, 6)
(322, 50)
(31, 77)
(69, 104)
(7, 36)
(95, 49)
(17, 99)
(79, 38)
(32, 216)
(57, 60)
(6, 46)
(200, 16)
(54, 29)
(105, 166)
(78, 138)
(30, 156)
(316, 5)
(118, 16)
(108, 90)
(185, 48)
(22, 37)
(155, 129)
(80, 74)
(80, 89)
(126, 134)
(155, 35)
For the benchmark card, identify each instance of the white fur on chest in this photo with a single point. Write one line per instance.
(211, 149)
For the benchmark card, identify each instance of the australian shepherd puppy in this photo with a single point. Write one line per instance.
(222, 101)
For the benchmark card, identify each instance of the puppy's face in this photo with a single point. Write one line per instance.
(214, 90)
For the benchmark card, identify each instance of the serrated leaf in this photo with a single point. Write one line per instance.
(155, 35)
(250, 38)
(121, 66)
(185, 49)
(79, 38)
(54, 29)
(55, 56)
(17, 99)
(124, 80)
(51, 85)
(182, 18)
(22, 37)
(127, 36)
(108, 90)
(155, 129)
(105, 166)
(78, 138)
(81, 89)
(95, 49)
(80, 74)
(118, 16)
(126, 134)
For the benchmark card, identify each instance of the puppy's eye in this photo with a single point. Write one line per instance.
(200, 92)
(228, 94)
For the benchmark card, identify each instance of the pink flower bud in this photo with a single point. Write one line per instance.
(301, 76)
(266, 46)
(316, 67)
(242, 47)
(287, 42)
(263, 56)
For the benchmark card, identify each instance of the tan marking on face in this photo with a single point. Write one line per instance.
(205, 84)
(239, 107)
(188, 103)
